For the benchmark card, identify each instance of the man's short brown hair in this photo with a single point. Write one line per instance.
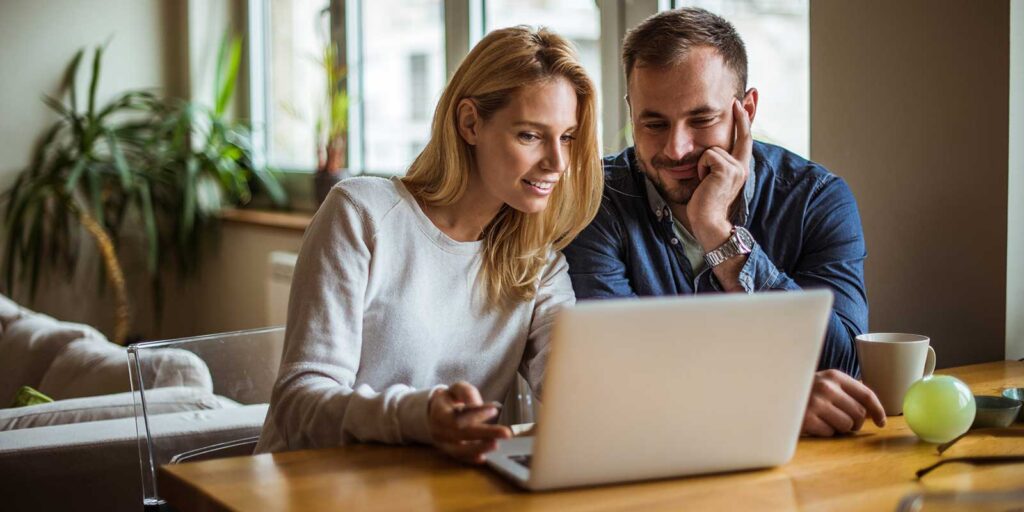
(667, 37)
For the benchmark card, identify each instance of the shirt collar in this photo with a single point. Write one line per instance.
(660, 208)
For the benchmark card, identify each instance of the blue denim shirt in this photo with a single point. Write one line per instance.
(803, 218)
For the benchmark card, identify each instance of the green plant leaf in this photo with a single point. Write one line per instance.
(75, 175)
(120, 162)
(188, 211)
(68, 83)
(149, 222)
(34, 246)
(227, 73)
(58, 107)
(39, 153)
(97, 59)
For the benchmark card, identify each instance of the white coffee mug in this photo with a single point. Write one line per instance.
(890, 362)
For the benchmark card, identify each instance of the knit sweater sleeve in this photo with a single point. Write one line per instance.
(555, 292)
(315, 401)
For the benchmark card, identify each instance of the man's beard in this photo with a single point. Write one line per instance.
(676, 191)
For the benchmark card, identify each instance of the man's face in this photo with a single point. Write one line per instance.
(677, 113)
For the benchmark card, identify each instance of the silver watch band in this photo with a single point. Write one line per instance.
(740, 242)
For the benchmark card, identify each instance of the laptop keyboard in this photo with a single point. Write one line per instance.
(523, 460)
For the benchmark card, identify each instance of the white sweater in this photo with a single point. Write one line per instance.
(385, 307)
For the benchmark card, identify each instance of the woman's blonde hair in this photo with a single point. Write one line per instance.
(516, 245)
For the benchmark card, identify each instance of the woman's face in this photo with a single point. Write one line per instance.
(522, 150)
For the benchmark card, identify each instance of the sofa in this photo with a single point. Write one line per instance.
(82, 451)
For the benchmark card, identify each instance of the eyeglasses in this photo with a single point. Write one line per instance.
(981, 460)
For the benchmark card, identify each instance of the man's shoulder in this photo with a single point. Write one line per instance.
(621, 167)
(785, 169)
(622, 176)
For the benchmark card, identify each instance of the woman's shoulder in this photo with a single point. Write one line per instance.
(372, 196)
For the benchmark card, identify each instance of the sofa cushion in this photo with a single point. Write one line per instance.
(89, 367)
(107, 407)
(29, 345)
(95, 465)
(9, 312)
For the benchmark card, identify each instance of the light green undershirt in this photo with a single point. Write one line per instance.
(694, 252)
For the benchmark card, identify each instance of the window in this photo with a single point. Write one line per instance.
(395, 54)
(394, 51)
(298, 32)
(577, 20)
(777, 37)
(402, 75)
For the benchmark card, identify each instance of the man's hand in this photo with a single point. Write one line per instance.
(462, 432)
(722, 175)
(839, 404)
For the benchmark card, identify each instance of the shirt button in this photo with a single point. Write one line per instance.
(675, 241)
(658, 213)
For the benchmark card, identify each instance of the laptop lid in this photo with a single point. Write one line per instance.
(656, 387)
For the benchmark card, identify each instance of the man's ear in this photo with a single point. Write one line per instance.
(468, 121)
(750, 103)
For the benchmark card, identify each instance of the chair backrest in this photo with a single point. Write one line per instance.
(225, 421)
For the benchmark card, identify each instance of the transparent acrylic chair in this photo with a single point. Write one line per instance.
(200, 398)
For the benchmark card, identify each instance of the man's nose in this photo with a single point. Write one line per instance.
(679, 143)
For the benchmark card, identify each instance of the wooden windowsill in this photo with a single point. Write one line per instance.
(297, 221)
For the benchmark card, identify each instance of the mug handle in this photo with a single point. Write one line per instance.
(929, 363)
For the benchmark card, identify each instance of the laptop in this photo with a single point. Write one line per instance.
(648, 388)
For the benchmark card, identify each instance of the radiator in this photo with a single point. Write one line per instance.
(279, 283)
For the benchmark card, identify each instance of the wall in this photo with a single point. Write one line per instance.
(231, 292)
(908, 104)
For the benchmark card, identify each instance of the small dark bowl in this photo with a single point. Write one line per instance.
(1016, 394)
(995, 411)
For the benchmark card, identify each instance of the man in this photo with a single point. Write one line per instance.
(697, 206)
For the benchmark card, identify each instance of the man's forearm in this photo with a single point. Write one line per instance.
(728, 273)
(713, 235)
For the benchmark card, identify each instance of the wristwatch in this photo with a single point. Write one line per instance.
(740, 242)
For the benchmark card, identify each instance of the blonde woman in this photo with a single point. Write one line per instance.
(416, 301)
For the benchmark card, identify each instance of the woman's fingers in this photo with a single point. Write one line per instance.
(465, 393)
(470, 451)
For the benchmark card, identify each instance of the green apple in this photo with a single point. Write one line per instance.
(939, 408)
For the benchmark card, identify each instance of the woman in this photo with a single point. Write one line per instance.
(414, 301)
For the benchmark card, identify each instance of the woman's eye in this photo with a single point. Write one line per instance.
(528, 137)
(567, 139)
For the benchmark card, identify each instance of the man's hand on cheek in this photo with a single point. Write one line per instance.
(722, 174)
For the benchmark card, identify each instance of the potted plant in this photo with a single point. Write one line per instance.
(162, 166)
(331, 127)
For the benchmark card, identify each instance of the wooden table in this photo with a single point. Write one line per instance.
(868, 471)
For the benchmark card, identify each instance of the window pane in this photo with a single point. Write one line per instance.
(576, 20)
(299, 31)
(777, 37)
(403, 75)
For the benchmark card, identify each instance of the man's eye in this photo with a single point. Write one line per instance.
(703, 121)
(654, 126)
(528, 137)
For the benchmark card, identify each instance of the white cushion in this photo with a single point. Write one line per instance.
(91, 367)
(95, 466)
(28, 346)
(9, 312)
(98, 408)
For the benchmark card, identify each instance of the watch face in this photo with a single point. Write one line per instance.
(744, 236)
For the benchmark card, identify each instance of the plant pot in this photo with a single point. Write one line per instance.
(323, 182)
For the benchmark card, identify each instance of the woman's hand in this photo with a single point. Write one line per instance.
(458, 423)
